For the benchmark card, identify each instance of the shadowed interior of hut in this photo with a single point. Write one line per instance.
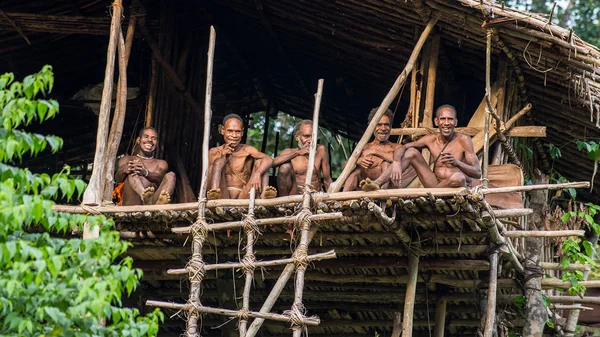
(417, 260)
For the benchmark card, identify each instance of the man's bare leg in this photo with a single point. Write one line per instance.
(165, 189)
(351, 182)
(216, 180)
(268, 192)
(136, 184)
(285, 179)
(412, 157)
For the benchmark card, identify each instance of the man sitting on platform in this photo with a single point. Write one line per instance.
(455, 163)
(235, 168)
(142, 173)
(293, 163)
(377, 155)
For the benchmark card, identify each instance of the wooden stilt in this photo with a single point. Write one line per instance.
(490, 318)
(337, 185)
(397, 329)
(93, 193)
(440, 318)
(486, 124)
(409, 300)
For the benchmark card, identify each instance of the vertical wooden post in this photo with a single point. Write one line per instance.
(501, 105)
(486, 125)
(93, 193)
(434, 52)
(490, 318)
(116, 128)
(409, 300)
(151, 93)
(305, 226)
(199, 228)
(337, 185)
(440, 318)
(249, 262)
(268, 112)
(397, 329)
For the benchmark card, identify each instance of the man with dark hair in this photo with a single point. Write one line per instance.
(377, 155)
(455, 163)
(293, 163)
(235, 168)
(146, 180)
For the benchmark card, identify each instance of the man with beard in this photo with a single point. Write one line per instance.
(455, 163)
(142, 173)
(236, 168)
(377, 155)
(293, 163)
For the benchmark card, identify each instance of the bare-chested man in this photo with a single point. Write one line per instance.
(455, 161)
(293, 163)
(377, 155)
(235, 168)
(146, 179)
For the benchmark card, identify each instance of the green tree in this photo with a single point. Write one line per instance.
(50, 285)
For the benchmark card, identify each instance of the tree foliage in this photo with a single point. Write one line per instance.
(51, 285)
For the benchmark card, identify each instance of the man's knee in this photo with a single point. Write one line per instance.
(412, 153)
(286, 169)
(457, 179)
(169, 177)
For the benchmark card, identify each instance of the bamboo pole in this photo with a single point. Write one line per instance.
(490, 318)
(545, 234)
(297, 310)
(199, 231)
(486, 124)
(317, 197)
(151, 93)
(93, 193)
(260, 222)
(249, 263)
(517, 131)
(336, 186)
(397, 327)
(574, 299)
(440, 318)
(409, 300)
(231, 313)
(315, 257)
(116, 128)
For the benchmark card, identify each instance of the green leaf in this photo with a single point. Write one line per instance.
(589, 248)
(565, 217)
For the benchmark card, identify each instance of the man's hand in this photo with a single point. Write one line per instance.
(448, 159)
(255, 182)
(365, 162)
(303, 151)
(136, 167)
(226, 150)
(396, 175)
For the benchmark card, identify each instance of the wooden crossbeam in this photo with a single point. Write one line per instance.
(517, 131)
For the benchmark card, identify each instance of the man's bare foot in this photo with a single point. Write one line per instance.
(368, 185)
(163, 198)
(269, 192)
(147, 195)
(213, 194)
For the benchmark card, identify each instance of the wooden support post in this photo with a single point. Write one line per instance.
(409, 300)
(440, 318)
(151, 93)
(536, 314)
(432, 65)
(303, 225)
(337, 185)
(490, 318)
(116, 128)
(93, 193)
(486, 124)
(199, 230)
(249, 261)
(397, 328)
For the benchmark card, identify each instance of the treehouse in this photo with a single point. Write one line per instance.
(414, 261)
